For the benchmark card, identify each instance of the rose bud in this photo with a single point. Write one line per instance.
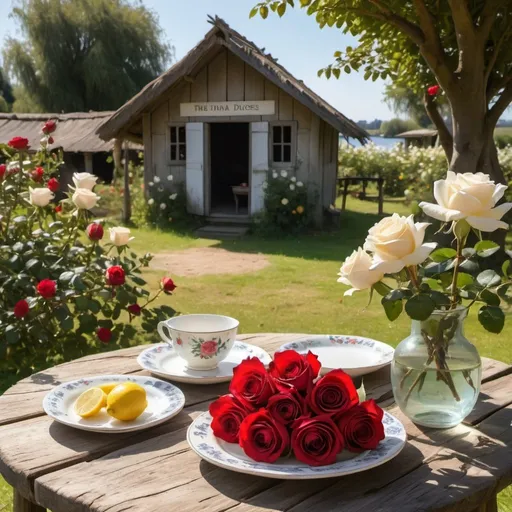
(50, 140)
(361, 427)
(433, 90)
(21, 308)
(19, 143)
(120, 236)
(316, 441)
(53, 184)
(227, 413)
(95, 231)
(334, 393)
(104, 334)
(286, 406)
(58, 208)
(290, 367)
(3, 168)
(134, 309)
(251, 384)
(168, 285)
(37, 174)
(262, 438)
(115, 275)
(49, 127)
(46, 288)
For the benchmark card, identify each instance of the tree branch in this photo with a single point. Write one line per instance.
(493, 89)
(496, 50)
(445, 137)
(464, 30)
(487, 17)
(500, 106)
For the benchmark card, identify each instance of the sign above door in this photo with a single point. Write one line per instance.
(228, 108)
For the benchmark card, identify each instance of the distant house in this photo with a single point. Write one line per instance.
(223, 116)
(421, 138)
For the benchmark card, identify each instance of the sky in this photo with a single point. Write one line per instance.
(295, 40)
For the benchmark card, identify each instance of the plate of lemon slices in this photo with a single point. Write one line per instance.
(114, 403)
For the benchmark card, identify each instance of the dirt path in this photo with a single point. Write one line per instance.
(208, 260)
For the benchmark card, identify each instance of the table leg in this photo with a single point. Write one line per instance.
(345, 190)
(21, 504)
(489, 506)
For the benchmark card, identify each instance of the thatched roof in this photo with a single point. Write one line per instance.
(222, 35)
(418, 134)
(75, 132)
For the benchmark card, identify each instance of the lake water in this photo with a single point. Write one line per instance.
(382, 142)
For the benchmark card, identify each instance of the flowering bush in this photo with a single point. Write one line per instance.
(65, 290)
(287, 209)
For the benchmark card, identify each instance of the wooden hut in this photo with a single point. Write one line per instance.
(420, 138)
(225, 115)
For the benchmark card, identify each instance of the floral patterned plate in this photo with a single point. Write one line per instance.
(164, 402)
(201, 439)
(162, 360)
(354, 354)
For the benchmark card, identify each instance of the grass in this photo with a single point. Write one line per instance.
(297, 292)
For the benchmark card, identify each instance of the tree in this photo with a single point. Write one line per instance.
(463, 45)
(395, 126)
(80, 55)
(6, 97)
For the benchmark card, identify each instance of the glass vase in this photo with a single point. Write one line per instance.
(436, 371)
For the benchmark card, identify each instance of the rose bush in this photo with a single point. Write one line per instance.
(65, 291)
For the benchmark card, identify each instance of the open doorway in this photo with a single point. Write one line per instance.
(229, 161)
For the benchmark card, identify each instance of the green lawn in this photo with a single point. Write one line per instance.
(298, 292)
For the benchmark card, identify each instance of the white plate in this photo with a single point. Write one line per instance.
(164, 402)
(354, 354)
(201, 439)
(163, 361)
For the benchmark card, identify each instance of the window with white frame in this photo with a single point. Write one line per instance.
(282, 144)
(177, 143)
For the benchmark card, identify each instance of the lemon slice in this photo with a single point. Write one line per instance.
(127, 401)
(90, 402)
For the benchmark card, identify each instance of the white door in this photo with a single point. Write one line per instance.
(195, 168)
(259, 164)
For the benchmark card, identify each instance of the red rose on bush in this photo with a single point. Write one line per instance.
(46, 288)
(37, 174)
(134, 309)
(208, 348)
(262, 437)
(53, 184)
(227, 413)
(168, 285)
(19, 143)
(316, 441)
(58, 208)
(361, 427)
(286, 406)
(3, 168)
(290, 367)
(50, 140)
(115, 275)
(49, 127)
(104, 334)
(433, 90)
(251, 384)
(21, 308)
(95, 231)
(334, 393)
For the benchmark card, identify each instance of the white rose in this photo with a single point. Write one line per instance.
(469, 196)
(292, 186)
(120, 236)
(84, 180)
(356, 272)
(264, 186)
(172, 197)
(150, 183)
(284, 173)
(151, 201)
(163, 206)
(85, 199)
(397, 242)
(300, 184)
(170, 177)
(284, 201)
(293, 178)
(40, 196)
(156, 179)
(274, 174)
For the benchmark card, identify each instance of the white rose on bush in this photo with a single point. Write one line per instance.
(120, 236)
(397, 242)
(84, 180)
(85, 199)
(356, 272)
(469, 196)
(40, 196)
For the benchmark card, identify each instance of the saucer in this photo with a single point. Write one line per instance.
(162, 360)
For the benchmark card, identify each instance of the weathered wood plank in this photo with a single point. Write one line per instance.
(180, 94)
(217, 84)
(160, 120)
(271, 93)
(285, 106)
(236, 75)
(20, 504)
(198, 88)
(302, 115)
(253, 84)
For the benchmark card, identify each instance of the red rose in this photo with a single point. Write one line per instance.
(53, 184)
(286, 406)
(134, 309)
(37, 174)
(316, 441)
(290, 367)
(104, 334)
(227, 413)
(115, 275)
(50, 141)
(95, 231)
(3, 168)
(433, 90)
(46, 288)
(263, 438)
(21, 308)
(251, 384)
(361, 427)
(208, 348)
(334, 393)
(168, 285)
(58, 208)
(49, 127)
(19, 143)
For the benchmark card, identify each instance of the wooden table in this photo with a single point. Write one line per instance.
(238, 190)
(346, 181)
(67, 470)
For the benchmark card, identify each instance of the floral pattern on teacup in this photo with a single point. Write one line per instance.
(206, 349)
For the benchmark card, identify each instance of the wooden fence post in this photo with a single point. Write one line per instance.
(127, 206)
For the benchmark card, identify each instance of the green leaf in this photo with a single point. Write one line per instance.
(61, 313)
(87, 322)
(492, 318)
(486, 248)
(138, 280)
(264, 11)
(434, 268)
(32, 264)
(420, 307)
(488, 278)
(12, 334)
(253, 12)
(281, 9)
(381, 288)
(66, 277)
(490, 298)
(468, 252)
(440, 299)
(443, 254)
(464, 279)
(470, 266)
(94, 306)
(67, 324)
(392, 308)
(505, 267)
(82, 303)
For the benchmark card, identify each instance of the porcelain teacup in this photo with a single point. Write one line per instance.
(202, 341)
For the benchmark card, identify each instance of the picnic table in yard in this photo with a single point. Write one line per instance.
(67, 470)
